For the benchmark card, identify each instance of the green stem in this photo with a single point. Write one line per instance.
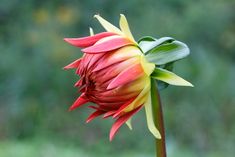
(158, 120)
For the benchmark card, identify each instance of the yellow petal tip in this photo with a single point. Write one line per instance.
(96, 15)
(91, 31)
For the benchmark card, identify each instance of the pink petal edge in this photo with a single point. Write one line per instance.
(109, 45)
(87, 41)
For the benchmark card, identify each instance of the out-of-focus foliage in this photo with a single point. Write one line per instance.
(35, 93)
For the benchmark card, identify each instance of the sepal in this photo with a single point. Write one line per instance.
(148, 43)
(164, 50)
(169, 77)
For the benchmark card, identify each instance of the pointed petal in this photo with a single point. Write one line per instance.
(119, 55)
(109, 114)
(126, 76)
(120, 110)
(87, 41)
(94, 115)
(113, 71)
(150, 122)
(106, 46)
(125, 28)
(79, 83)
(79, 102)
(108, 26)
(118, 123)
(95, 60)
(74, 64)
(169, 77)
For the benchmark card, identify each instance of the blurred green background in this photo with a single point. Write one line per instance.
(35, 92)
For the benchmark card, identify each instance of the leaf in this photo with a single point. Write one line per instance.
(169, 77)
(167, 52)
(148, 43)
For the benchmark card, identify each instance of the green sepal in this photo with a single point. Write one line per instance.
(146, 38)
(167, 52)
(169, 77)
(149, 43)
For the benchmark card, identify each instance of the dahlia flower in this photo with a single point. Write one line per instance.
(115, 73)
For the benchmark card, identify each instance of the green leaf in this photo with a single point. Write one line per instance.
(148, 43)
(167, 52)
(169, 77)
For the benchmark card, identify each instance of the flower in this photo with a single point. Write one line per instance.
(114, 75)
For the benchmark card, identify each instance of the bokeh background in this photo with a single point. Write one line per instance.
(35, 92)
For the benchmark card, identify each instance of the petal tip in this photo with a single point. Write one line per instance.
(96, 15)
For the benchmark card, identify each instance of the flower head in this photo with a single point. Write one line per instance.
(114, 75)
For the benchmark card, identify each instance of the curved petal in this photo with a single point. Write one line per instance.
(94, 115)
(120, 110)
(126, 76)
(109, 114)
(119, 55)
(87, 41)
(121, 120)
(112, 71)
(109, 45)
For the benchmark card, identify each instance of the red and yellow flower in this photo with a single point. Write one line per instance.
(114, 75)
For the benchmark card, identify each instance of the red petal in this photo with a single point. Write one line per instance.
(109, 114)
(72, 65)
(79, 83)
(114, 70)
(87, 41)
(94, 60)
(122, 54)
(119, 111)
(118, 123)
(109, 45)
(126, 76)
(94, 115)
(79, 102)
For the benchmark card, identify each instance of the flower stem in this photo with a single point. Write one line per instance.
(158, 120)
